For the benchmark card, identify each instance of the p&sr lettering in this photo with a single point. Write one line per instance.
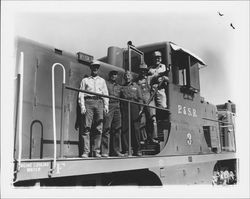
(187, 111)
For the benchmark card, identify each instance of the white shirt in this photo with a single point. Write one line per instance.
(159, 69)
(156, 71)
(95, 85)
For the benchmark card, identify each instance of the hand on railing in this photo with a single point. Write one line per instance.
(76, 125)
(106, 110)
(83, 110)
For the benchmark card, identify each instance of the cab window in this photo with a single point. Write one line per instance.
(185, 71)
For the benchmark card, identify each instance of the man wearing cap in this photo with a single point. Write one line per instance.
(93, 107)
(149, 114)
(131, 91)
(156, 75)
(112, 121)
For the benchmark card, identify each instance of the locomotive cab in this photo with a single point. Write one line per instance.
(182, 93)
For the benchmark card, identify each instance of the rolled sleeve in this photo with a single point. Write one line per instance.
(162, 68)
(105, 92)
(81, 94)
(139, 94)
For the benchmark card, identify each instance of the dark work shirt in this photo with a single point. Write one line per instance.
(114, 90)
(132, 92)
(145, 88)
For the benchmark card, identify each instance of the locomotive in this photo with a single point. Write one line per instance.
(196, 138)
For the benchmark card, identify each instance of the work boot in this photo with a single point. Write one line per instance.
(105, 155)
(118, 154)
(97, 154)
(85, 155)
(154, 141)
(137, 153)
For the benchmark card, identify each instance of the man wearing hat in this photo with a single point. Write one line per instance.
(131, 91)
(112, 121)
(156, 75)
(148, 121)
(92, 106)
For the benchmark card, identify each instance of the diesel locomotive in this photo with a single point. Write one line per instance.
(196, 138)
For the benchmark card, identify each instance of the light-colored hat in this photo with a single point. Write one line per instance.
(143, 66)
(157, 54)
(95, 63)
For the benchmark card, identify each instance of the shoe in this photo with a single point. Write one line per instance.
(137, 153)
(125, 153)
(84, 155)
(105, 155)
(154, 141)
(118, 154)
(97, 155)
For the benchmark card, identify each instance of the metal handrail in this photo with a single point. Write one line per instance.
(53, 111)
(115, 98)
(219, 121)
(17, 113)
(20, 123)
(226, 126)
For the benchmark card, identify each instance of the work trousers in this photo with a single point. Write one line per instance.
(161, 98)
(93, 118)
(135, 127)
(150, 121)
(112, 127)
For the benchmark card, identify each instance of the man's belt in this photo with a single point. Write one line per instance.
(93, 97)
(111, 101)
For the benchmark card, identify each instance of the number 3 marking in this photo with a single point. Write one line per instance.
(189, 139)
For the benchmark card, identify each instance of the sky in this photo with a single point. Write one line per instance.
(196, 26)
(91, 27)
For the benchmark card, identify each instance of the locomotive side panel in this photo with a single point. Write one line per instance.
(186, 135)
(29, 69)
(193, 173)
(37, 112)
(43, 112)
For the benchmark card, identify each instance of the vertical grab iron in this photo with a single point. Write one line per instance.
(54, 114)
(129, 120)
(131, 47)
(20, 111)
(62, 121)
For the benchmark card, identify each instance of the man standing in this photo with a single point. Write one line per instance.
(92, 106)
(156, 75)
(131, 91)
(112, 121)
(149, 114)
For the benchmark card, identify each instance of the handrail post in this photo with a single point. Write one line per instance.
(17, 112)
(129, 119)
(234, 137)
(20, 122)
(62, 121)
(53, 112)
(129, 130)
(129, 58)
